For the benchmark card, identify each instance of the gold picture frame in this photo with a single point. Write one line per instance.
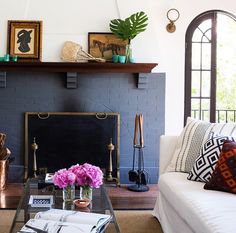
(105, 44)
(24, 39)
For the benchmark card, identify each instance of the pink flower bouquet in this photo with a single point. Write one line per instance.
(87, 175)
(81, 175)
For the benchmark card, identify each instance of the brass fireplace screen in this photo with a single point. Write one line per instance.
(57, 140)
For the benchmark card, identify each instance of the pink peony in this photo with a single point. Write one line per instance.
(64, 178)
(88, 175)
(73, 168)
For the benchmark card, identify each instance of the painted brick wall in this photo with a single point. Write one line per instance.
(42, 92)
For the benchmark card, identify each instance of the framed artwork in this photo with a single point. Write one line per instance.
(25, 39)
(106, 44)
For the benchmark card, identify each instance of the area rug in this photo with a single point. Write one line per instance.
(136, 221)
(129, 221)
(6, 218)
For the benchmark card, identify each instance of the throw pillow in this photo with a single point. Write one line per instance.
(224, 176)
(191, 139)
(209, 155)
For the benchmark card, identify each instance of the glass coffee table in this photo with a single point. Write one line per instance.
(100, 204)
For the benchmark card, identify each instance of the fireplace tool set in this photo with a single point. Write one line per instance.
(138, 175)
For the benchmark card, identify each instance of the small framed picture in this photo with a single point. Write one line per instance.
(105, 44)
(25, 39)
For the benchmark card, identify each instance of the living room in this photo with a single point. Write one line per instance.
(158, 94)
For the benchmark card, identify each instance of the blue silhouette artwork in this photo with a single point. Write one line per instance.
(24, 39)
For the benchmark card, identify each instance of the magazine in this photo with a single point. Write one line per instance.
(49, 178)
(66, 221)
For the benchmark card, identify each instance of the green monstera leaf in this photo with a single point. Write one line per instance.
(130, 27)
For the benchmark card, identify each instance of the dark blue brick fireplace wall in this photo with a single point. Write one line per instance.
(46, 92)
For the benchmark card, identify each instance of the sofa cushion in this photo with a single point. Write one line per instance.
(224, 176)
(191, 139)
(209, 155)
(205, 211)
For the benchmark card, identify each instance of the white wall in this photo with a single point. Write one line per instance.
(72, 20)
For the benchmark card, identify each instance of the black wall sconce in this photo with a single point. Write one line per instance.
(172, 15)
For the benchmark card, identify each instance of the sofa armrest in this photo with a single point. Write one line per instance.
(167, 148)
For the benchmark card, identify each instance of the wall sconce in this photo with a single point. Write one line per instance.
(173, 16)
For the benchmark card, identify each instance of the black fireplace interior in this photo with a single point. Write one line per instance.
(65, 139)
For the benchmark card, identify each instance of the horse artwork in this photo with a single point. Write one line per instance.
(105, 45)
(115, 48)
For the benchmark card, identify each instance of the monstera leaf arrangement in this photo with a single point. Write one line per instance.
(130, 27)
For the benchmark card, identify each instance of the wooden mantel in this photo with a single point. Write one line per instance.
(88, 67)
(72, 68)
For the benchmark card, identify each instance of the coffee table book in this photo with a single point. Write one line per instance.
(67, 221)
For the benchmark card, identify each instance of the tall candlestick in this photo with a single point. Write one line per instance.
(34, 146)
(110, 147)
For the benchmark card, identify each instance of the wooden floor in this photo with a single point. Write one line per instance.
(121, 197)
(9, 198)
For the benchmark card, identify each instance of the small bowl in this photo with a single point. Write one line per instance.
(81, 203)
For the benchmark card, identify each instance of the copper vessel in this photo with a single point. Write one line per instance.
(4, 165)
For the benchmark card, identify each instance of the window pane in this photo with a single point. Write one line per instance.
(206, 56)
(196, 55)
(205, 110)
(205, 25)
(195, 83)
(200, 109)
(197, 35)
(207, 36)
(203, 32)
(195, 109)
(206, 83)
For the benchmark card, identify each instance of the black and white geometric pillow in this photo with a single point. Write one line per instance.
(207, 159)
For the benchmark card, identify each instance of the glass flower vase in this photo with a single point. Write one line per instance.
(128, 53)
(86, 192)
(68, 193)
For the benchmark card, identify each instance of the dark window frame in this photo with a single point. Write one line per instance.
(212, 14)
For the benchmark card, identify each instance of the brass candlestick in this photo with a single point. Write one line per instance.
(110, 147)
(34, 146)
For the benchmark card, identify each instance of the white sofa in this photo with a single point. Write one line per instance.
(183, 206)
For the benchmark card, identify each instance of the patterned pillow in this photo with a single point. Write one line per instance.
(224, 176)
(209, 155)
(190, 141)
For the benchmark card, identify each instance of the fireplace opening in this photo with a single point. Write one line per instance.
(63, 139)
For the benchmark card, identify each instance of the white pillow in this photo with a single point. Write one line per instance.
(191, 139)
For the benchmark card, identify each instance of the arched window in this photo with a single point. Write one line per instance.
(210, 67)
